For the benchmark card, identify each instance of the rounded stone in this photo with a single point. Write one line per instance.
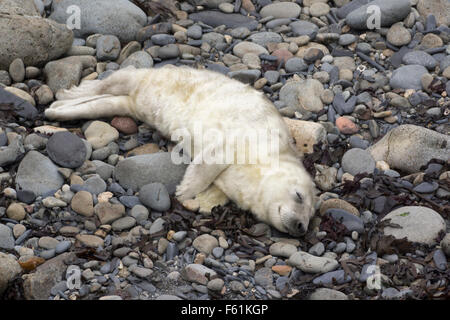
(123, 223)
(281, 10)
(82, 203)
(419, 224)
(205, 243)
(155, 196)
(357, 161)
(16, 212)
(66, 149)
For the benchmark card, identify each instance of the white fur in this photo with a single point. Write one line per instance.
(172, 98)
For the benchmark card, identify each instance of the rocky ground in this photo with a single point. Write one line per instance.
(369, 108)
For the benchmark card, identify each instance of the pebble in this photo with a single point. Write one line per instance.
(205, 243)
(16, 212)
(312, 264)
(155, 196)
(82, 203)
(99, 134)
(357, 161)
(282, 249)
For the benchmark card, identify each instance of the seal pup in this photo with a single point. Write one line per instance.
(278, 192)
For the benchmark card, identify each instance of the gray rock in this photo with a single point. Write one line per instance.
(108, 48)
(334, 276)
(95, 185)
(343, 11)
(38, 174)
(281, 10)
(162, 39)
(6, 238)
(264, 277)
(216, 18)
(169, 51)
(124, 223)
(418, 224)
(327, 294)
(312, 264)
(17, 70)
(420, 58)
(195, 32)
(317, 250)
(303, 95)
(439, 260)
(296, 65)
(155, 196)
(140, 213)
(9, 269)
(350, 221)
(12, 152)
(33, 39)
(120, 18)
(157, 226)
(65, 73)
(197, 273)
(262, 38)
(66, 149)
(357, 161)
(205, 243)
(408, 77)
(63, 246)
(445, 244)
(304, 28)
(245, 76)
(391, 12)
(135, 172)
(21, 7)
(22, 107)
(346, 39)
(282, 249)
(139, 59)
(409, 147)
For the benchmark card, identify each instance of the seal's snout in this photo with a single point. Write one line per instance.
(297, 228)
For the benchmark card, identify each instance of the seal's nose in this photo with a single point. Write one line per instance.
(297, 229)
(301, 228)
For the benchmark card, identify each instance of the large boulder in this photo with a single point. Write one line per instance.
(22, 7)
(408, 147)
(417, 224)
(391, 12)
(119, 17)
(33, 39)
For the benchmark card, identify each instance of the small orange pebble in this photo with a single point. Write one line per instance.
(282, 270)
(31, 263)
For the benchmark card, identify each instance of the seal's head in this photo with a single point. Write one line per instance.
(287, 195)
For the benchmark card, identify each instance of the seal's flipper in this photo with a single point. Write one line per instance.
(90, 108)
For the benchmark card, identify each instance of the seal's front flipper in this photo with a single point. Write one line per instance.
(198, 177)
(210, 198)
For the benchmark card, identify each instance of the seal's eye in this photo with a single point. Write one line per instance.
(299, 197)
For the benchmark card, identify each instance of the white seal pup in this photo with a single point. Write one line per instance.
(280, 193)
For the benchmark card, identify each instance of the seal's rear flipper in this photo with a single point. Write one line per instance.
(90, 108)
